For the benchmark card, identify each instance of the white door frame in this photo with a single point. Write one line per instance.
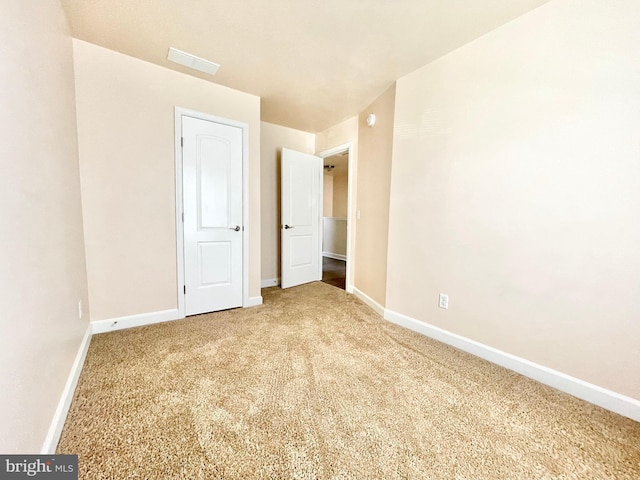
(179, 112)
(345, 147)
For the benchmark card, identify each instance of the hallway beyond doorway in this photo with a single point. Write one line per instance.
(334, 272)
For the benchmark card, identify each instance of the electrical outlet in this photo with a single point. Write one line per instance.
(80, 309)
(443, 301)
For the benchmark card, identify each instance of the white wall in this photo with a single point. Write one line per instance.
(127, 162)
(340, 195)
(516, 190)
(374, 182)
(43, 273)
(334, 235)
(327, 195)
(273, 138)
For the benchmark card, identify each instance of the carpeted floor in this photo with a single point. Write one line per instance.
(313, 384)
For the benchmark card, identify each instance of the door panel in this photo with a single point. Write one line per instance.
(300, 230)
(301, 184)
(301, 254)
(212, 190)
(213, 181)
(215, 264)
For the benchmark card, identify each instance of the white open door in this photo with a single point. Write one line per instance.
(300, 229)
(213, 233)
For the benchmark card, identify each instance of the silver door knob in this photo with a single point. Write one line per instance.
(236, 228)
(287, 227)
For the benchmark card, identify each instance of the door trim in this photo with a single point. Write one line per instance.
(345, 147)
(178, 114)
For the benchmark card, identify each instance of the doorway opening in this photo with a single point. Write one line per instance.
(335, 216)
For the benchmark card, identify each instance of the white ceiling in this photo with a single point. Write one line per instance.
(313, 62)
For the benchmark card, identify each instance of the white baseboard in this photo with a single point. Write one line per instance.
(270, 282)
(335, 256)
(615, 402)
(57, 423)
(119, 323)
(375, 306)
(253, 301)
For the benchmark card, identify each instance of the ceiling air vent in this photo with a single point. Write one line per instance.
(191, 61)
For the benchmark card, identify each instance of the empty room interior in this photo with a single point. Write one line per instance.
(322, 239)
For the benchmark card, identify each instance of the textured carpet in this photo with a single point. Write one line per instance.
(313, 384)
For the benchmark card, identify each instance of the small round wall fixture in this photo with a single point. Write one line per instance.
(371, 119)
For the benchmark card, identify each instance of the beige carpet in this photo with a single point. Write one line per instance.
(313, 384)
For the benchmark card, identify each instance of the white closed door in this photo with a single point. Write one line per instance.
(212, 202)
(300, 228)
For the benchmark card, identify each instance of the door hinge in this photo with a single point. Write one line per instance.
(182, 141)
(185, 289)
(182, 217)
